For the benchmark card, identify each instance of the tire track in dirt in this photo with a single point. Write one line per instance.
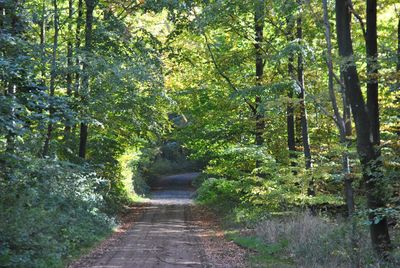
(163, 236)
(168, 233)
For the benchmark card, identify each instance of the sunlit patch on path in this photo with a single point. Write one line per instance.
(165, 235)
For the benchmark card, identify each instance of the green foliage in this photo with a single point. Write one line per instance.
(237, 186)
(50, 211)
(265, 254)
(149, 61)
(220, 193)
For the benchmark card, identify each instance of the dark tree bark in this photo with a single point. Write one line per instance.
(365, 147)
(259, 14)
(53, 75)
(69, 47)
(90, 5)
(346, 111)
(43, 42)
(303, 110)
(398, 66)
(339, 120)
(372, 71)
(69, 58)
(291, 139)
(291, 133)
(78, 46)
(398, 55)
(11, 24)
(2, 15)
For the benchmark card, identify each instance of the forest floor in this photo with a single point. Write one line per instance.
(168, 231)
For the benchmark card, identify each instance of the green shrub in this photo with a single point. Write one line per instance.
(251, 183)
(50, 211)
(219, 193)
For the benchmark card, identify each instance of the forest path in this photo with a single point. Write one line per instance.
(165, 235)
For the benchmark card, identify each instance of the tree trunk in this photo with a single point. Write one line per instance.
(372, 71)
(78, 46)
(339, 120)
(346, 110)
(398, 52)
(398, 67)
(43, 42)
(53, 76)
(259, 14)
(291, 141)
(291, 133)
(10, 137)
(371, 172)
(10, 24)
(303, 110)
(69, 58)
(90, 5)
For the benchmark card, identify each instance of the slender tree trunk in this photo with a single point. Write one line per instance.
(11, 26)
(303, 110)
(53, 76)
(371, 172)
(78, 46)
(342, 127)
(291, 134)
(398, 66)
(43, 42)
(372, 71)
(2, 54)
(69, 58)
(339, 120)
(398, 52)
(346, 109)
(69, 47)
(2, 15)
(290, 114)
(90, 5)
(259, 15)
(10, 137)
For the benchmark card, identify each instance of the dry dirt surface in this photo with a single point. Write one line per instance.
(165, 233)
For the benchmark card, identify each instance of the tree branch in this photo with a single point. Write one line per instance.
(358, 17)
(221, 73)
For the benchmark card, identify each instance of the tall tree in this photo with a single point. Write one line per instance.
(371, 43)
(43, 42)
(398, 65)
(291, 133)
(259, 17)
(12, 27)
(90, 5)
(78, 46)
(339, 120)
(398, 54)
(368, 157)
(69, 47)
(53, 76)
(303, 110)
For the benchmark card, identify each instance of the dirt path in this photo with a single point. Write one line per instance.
(169, 231)
(163, 236)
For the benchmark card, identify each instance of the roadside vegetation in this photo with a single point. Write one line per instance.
(289, 108)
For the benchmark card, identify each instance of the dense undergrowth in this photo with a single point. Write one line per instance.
(50, 211)
(264, 206)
